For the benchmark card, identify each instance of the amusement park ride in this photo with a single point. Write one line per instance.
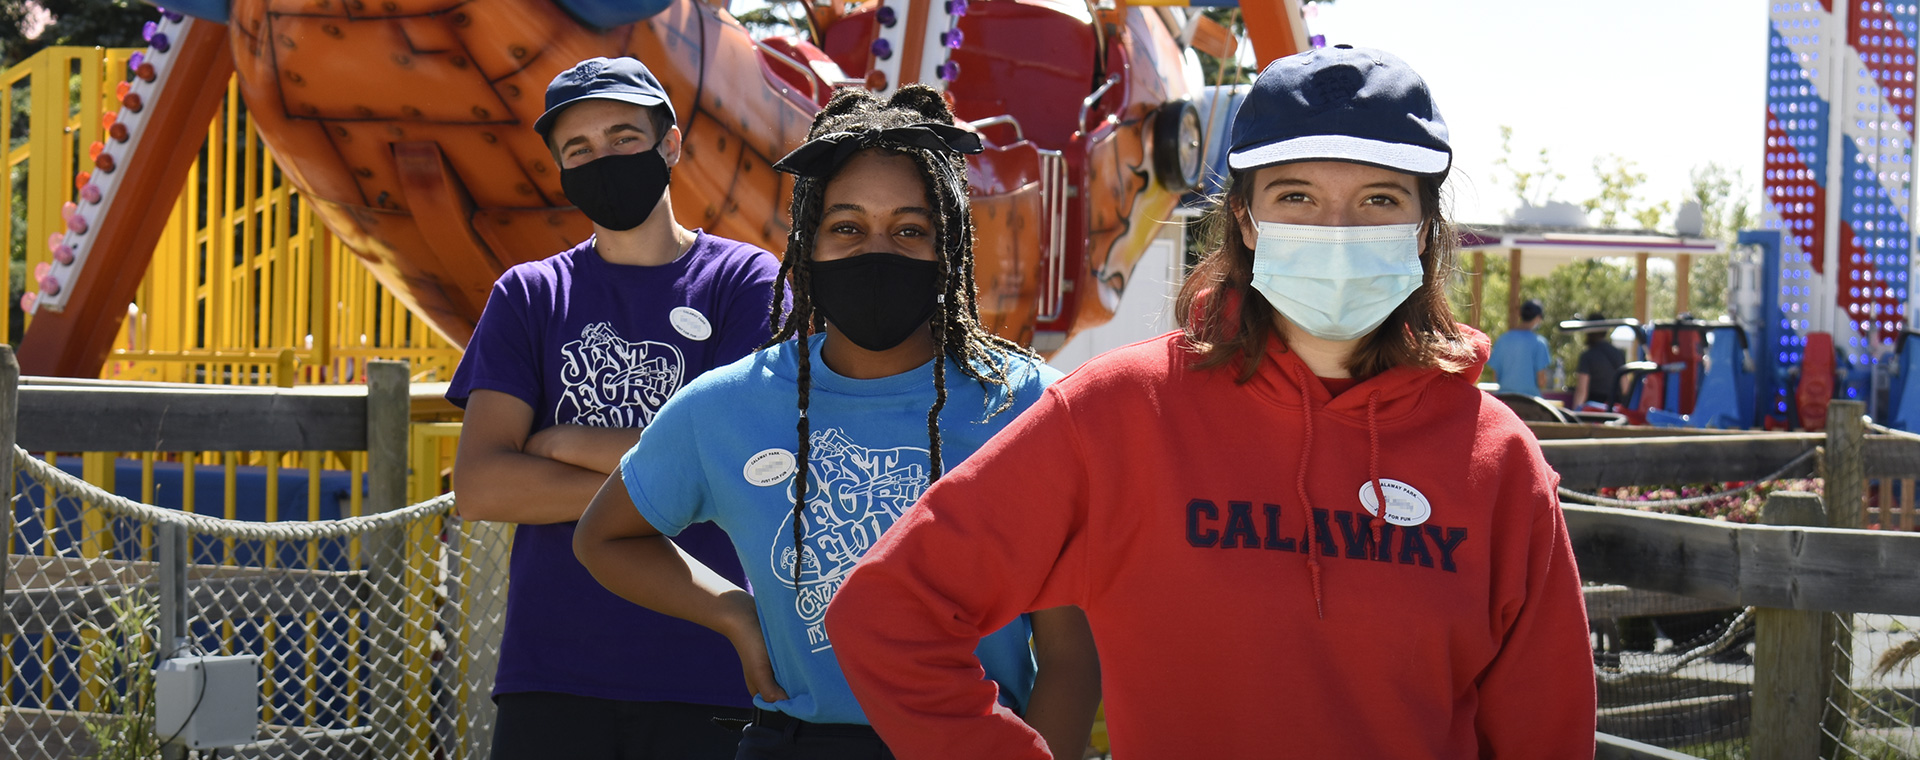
(1821, 304)
(405, 125)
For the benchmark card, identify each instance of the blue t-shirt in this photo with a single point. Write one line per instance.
(587, 342)
(1518, 356)
(724, 450)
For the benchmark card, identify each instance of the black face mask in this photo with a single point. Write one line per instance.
(876, 299)
(619, 191)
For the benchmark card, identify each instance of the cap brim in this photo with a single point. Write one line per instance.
(544, 124)
(1412, 159)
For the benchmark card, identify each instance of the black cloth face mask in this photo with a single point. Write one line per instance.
(877, 300)
(619, 191)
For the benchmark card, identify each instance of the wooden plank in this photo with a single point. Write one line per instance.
(9, 425)
(1622, 601)
(1846, 472)
(1589, 464)
(76, 418)
(384, 553)
(1892, 456)
(1749, 565)
(1610, 747)
(1676, 555)
(1557, 431)
(1907, 505)
(1793, 656)
(388, 412)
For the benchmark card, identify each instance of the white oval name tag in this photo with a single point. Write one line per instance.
(770, 467)
(690, 322)
(1405, 504)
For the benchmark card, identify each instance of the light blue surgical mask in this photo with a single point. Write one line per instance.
(1337, 283)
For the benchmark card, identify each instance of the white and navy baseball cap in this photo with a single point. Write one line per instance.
(1341, 104)
(622, 79)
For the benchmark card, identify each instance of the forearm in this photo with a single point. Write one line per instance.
(1580, 391)
(516, 487)
(655, 573)
(592, 448)
(1066, 690)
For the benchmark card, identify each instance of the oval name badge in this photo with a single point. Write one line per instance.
(770, 467)
(690, 322)
(1405, 504)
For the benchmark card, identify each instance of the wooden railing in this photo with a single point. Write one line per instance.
(1802, 564)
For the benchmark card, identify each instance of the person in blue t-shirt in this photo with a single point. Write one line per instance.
(1521, 357)
(907, 383)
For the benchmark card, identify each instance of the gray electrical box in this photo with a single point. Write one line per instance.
(207, 702)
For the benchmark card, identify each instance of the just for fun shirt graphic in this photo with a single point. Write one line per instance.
(583, 341)
(724, 449)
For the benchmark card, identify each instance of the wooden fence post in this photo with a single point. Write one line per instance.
(1793, 656)
(9, 422)
(388, 414)
(1846, 485)
(385, 560)
(1846, 475)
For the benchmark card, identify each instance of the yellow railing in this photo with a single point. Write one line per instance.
(245, 287)
(244, 271)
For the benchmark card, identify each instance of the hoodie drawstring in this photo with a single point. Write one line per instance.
(1373, 466)
(1300, 482)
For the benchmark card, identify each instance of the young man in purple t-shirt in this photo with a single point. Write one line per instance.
(570, 360)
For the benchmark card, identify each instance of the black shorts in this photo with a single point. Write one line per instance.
(777, 736)
(539, 725)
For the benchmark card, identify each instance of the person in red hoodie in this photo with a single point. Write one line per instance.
(1296, 527)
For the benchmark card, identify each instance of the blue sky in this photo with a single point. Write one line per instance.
(1669, 85)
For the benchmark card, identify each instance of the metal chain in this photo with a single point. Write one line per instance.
(60, 483)
(1716, 646)
(1602, 501)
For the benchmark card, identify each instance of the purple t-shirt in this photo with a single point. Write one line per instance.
(586, 342)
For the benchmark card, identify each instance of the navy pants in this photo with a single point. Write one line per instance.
(776, 736)
(540, 725)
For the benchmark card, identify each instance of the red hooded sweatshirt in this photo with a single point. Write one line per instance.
(1245, 600)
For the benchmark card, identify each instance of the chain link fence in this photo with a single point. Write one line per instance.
(1685, 681)
(377, 635)
(1876, 715)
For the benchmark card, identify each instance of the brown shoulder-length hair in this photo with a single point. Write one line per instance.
(1227, 322)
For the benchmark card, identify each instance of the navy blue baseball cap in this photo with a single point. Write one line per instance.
(622, 79)
(1341, 104)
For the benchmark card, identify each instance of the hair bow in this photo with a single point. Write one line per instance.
(820, 156)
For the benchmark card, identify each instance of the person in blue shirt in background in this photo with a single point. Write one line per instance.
(1520, 357)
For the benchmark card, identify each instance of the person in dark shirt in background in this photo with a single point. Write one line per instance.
(1598, 378)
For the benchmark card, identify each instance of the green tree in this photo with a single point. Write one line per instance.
(1618, 197)
(778, 18)
(1533, 186)
(1725, 210)
(103, 23)
(1220, 71)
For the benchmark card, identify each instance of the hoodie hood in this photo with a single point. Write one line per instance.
(1381, 400)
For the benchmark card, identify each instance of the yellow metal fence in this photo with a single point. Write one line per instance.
(244, 273)
(245, 287)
